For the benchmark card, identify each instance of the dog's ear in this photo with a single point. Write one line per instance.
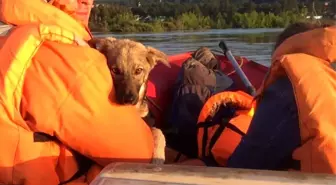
(97, 43)
(154, 56)
(111, 39)
(100, 43)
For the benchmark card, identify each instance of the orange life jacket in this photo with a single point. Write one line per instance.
(307, 59)
(52, 87)
(217, 139)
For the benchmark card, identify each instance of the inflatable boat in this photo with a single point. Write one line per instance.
(147, 174)
(159, 93)
(162, 79)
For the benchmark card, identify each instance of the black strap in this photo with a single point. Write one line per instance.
(209, 160)
(83, 162)
(43, 137)
(235, 129)
(217, 134)
(225, 123)
(205, 124)
(204, 140)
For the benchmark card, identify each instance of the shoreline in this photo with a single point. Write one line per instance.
(229, 31)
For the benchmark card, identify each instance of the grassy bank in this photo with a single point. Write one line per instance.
(117, 18)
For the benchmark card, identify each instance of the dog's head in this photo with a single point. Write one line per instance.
(130, 63)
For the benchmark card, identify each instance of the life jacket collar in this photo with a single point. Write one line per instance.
(320, 43)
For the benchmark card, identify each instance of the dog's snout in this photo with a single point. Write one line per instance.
(127, 93)
(130, 98)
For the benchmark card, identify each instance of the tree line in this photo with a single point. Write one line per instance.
(207, 14)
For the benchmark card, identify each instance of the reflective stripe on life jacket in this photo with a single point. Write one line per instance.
(53, 86)
(223, 120)
(307, 60)
(17, 53)
(32, 37)
(22, 12)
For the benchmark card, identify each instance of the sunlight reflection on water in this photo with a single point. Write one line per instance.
(255, 44)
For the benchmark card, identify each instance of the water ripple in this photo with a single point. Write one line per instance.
(255, 44)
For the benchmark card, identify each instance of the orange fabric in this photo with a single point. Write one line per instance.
(2, 40)
(21, 12)
(49, 84)
(80, 181)
(228, 139)
(305, 58)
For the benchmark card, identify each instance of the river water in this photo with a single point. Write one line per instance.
(255, 44)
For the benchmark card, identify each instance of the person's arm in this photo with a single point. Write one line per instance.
(100, 129)
(274, 131)
(70, 102)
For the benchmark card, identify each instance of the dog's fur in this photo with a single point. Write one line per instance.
(130, 63)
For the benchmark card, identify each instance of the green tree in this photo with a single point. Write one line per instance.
(104, 13)
(220, 21)
(215, 14)
(249, 6)
(290, 5)
(197, 10)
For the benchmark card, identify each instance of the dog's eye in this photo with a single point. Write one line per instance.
(115, 71)
(138, 71)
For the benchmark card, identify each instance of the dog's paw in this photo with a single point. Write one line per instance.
(159, 146)
(159, 156)
(158, 161)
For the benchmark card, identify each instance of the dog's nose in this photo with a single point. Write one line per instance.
(129, 99)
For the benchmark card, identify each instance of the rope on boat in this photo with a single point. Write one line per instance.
(241, 63)
(241, 60)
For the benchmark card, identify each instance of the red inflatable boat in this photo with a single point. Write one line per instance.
(162, 79)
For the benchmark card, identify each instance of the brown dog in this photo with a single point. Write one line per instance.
(130, 63)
